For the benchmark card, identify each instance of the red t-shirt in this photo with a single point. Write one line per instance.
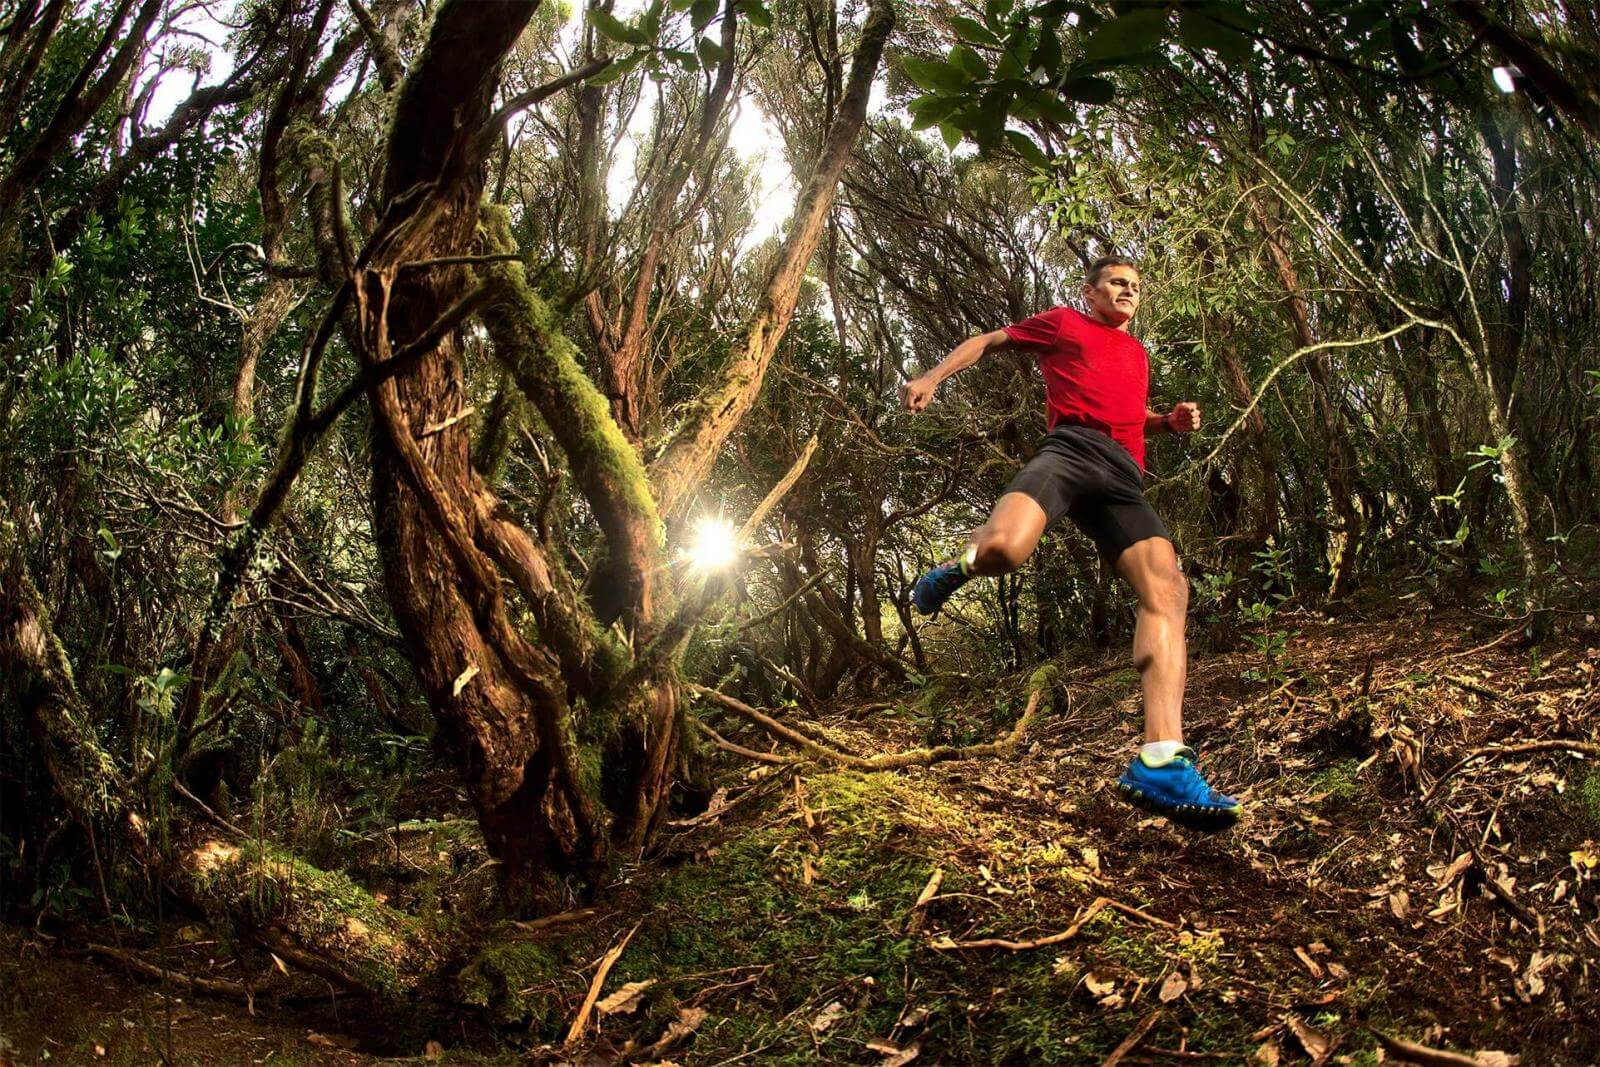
(1094, 375)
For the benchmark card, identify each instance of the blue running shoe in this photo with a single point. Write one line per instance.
(1176, 790)
(935, 587)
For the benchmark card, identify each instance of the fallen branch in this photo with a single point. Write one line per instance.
(1588, 748)
(1135, 1036)
(606, 963)
(214, 986)
(532, 928)
(1416, 1053)
(1042, 681)
(1095, 907)
(739, 750)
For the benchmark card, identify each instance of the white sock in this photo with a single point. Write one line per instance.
(1155, 753)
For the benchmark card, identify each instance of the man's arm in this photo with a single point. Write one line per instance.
(919, 391)
(1183, 418)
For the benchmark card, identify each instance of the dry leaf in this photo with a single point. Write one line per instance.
(1311, 965)
(279, 963)
(1268, 1054)
(1099, 983)
(432, 1051)
(808, 872)
(624, 1001)
(1091, 859)
(687, 1022)
(1457, 867)
(1399, 903)
(1173, 988)
(1313, 1041)
(935, 880)
(827, 1017)
(894, 1055)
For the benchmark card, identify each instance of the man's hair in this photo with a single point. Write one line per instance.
(1099, 266)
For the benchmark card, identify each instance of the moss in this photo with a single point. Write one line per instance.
(516, 981)
(1588, 797)
(1340, 784)
(382, 948)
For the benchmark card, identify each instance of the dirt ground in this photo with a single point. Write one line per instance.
(1418, 863)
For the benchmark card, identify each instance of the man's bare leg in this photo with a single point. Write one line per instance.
(1159, 651)
(1004, 543)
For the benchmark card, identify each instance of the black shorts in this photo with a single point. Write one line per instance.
(1088, 477)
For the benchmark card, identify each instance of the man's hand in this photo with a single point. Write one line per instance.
(1184, 417)
(917, 393)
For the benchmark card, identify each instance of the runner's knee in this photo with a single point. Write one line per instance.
(1001, 551)
(1165, 590)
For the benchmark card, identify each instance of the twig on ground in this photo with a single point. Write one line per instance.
(739, 750)
(529, 928)
(1095, 907)
(1135, 1036)
(215, 986)
(1588, 748)
(607, 961)
(1416, 1053)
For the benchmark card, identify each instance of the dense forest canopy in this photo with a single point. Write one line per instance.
(378, 377)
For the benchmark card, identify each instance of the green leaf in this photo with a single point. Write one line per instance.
(650, 24)
(618, 69)
(1199, 31)
(974, 31)
(1090, 90)
(757, 14)
(614, 28)
(684, 59)
(968, 62)
(701, 14)
(1047, 57)
(1046, 105)
(935, 75)
(1027, 149)
(1009, 68)
(952, 135)
(711, 53)
(930, 110)
(1137, 31)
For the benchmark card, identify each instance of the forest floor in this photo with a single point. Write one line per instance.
(1375, 889)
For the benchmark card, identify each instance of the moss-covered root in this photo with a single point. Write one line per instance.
(324, 920)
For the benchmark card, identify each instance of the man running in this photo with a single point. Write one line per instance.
(1089, 468)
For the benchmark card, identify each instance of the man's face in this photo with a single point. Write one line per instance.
(1115, 297)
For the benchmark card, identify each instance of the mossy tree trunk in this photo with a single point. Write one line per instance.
(568, 737)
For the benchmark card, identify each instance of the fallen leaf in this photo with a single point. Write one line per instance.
(1099, 983)
(1173, 988)
(624, 1001)
(827, 1017)
(934, 881)
(432, 1051)
(1091, 859)
(687, 1022)
(808, 872)
(894, 1055)
(1399, 903)
(1313, 1041)
(1311, 965)
(1268, 1054)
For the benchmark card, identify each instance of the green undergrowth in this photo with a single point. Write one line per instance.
(741, 914)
